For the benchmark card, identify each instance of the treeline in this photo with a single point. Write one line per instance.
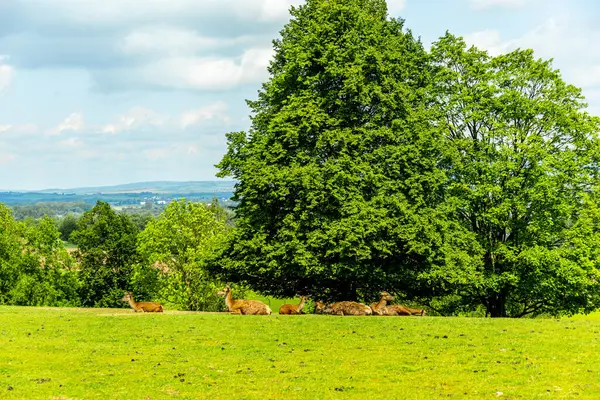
(159, 258)
(51, 209)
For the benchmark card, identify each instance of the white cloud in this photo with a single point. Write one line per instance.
(484, 4)
(6, 75)
(73, 122)
(157, 154)
(165, 40)
(396, 5)
(210, 72)
(216, 111)
(489, 40)
(134, 118)
(570, 43)
(6, 158)
(111, 12)
(71, 143)
(272, 10)
(24, 128)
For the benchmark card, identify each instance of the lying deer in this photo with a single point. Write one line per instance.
(245, 307)
(381, 308)
(143, 306)
(322, 308)
(378, 307)
(343, 308)
(293, 308)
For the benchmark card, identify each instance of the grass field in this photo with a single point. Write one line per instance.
(48, 353)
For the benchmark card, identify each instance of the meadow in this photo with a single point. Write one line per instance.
(59, 353)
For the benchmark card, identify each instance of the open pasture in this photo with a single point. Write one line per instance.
(52, 353)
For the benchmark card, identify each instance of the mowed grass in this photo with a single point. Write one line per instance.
(48, 353)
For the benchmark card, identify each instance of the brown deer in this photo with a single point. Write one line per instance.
(400, 310)
(322, 308)
(343, 308)
(243, 307)
(417, 311)
(377, 307)
(293, 308)
(143, 306)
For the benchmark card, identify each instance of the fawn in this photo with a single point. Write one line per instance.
(143, 306)
(245, 307)
(293, 308)
(343, 308)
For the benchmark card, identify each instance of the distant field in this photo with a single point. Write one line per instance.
(50, 353)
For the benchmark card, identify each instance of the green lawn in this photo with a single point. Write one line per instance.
(50, 353)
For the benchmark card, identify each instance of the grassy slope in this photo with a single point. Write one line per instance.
(116, 354)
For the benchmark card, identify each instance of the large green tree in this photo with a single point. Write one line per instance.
(339, 178)
(524, 178)
(107, 252)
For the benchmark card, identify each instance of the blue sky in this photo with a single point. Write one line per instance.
(102, 92)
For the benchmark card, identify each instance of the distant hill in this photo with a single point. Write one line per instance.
(152, 187)
(130, 193)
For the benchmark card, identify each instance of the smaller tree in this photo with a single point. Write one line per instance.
(10, 252)
(177, 243)
(47, 275)
(107, 250)
(66, 226)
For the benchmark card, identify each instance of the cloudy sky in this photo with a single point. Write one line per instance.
(102, 92)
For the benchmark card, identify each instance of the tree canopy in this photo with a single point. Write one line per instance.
(524, 177)
(338, 176)
(177, 243)
(107, 251)
(374, 164)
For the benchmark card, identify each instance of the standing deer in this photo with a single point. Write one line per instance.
(293, 308)
(143, 306)
(243, 307)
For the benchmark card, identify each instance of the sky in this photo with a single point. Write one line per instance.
(103, 92)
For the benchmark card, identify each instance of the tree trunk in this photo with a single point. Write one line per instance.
(496, 306)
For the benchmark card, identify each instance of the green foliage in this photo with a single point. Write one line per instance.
(35, 268)
(454, 178)
(339, 179)
(39, 210)
(141, 219)
(107, 252)
(524, 178)
(66, 226)
(178, 243)
(10, 252)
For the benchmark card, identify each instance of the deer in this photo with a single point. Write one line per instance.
(343, 308)
(243, 307)
(381, 308)
(322, 308)
(377, 307)
(293, 308)
(143, 306)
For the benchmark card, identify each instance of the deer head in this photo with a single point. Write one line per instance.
(386, 296)
(225, 291)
